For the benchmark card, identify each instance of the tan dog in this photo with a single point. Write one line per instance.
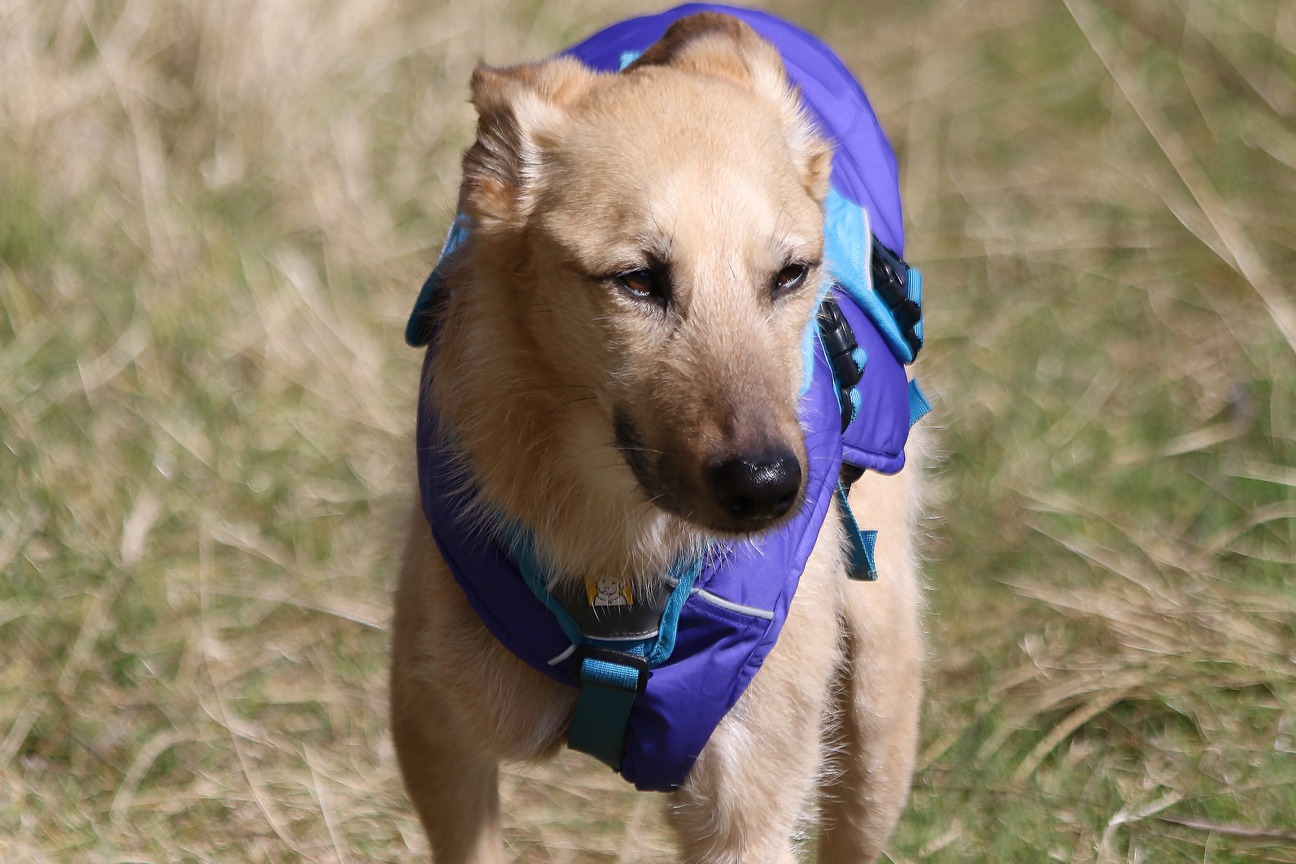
(628, 314)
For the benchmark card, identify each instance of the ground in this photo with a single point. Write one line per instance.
(215, 216)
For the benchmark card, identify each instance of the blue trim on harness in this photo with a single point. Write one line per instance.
(683, 573)
(668, 629)
(913, 288)
(418, 330)
(522, 545)
(848, 248)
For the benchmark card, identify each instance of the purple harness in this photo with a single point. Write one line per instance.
(650, 698)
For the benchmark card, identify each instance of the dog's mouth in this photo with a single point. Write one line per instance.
(633, 450)
(740, 494)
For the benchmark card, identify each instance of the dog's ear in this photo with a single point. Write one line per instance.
(519, 108)
(710, 43)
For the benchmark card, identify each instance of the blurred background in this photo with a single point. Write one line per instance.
(215, 216)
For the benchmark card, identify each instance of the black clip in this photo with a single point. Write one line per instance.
(891, 283)
(839, 343)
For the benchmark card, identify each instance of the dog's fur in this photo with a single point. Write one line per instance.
(591, 414)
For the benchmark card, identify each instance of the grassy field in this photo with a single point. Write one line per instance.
(215, 216)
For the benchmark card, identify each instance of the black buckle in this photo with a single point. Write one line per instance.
(891, 282)
(611, 655)
(839, 343)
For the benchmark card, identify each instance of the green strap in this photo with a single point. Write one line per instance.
(607, 694)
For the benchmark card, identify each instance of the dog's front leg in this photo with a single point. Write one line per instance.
(454, 789)
(450, 776)
(746, 793)
(460, 705)
(881, 690)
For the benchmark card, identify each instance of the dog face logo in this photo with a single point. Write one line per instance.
(665, 226)
(608, 591)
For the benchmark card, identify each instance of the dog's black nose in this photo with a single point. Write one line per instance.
(758, 488)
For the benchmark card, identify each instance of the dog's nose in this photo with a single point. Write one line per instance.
(757, 488)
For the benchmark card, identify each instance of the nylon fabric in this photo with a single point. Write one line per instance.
(848, 255)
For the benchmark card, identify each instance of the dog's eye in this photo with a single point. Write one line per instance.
(640, 284)
(790, 278)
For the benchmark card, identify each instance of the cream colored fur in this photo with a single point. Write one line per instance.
(699, 155)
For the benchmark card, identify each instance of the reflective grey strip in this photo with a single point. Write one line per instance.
(733, 607)
(571, 649)
(624, 637)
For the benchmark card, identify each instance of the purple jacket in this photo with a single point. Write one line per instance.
(739, 600)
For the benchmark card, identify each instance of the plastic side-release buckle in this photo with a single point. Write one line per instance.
(900, 287)
(844, 355)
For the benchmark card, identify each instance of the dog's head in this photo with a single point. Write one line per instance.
(662, 233)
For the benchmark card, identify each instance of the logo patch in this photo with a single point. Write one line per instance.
(608, 591)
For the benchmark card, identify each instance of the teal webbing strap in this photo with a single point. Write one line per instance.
(685, 573)
(914, 289)
(607, 694)
(869, 540)
(859, 564)
(919, 407)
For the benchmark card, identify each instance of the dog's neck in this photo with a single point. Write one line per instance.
(536, 449)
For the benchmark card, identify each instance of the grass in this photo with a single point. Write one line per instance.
(214, 217)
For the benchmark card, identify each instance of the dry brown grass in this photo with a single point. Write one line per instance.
(216, 214)
(214, 218)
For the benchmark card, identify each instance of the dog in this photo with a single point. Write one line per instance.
(618, 367)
